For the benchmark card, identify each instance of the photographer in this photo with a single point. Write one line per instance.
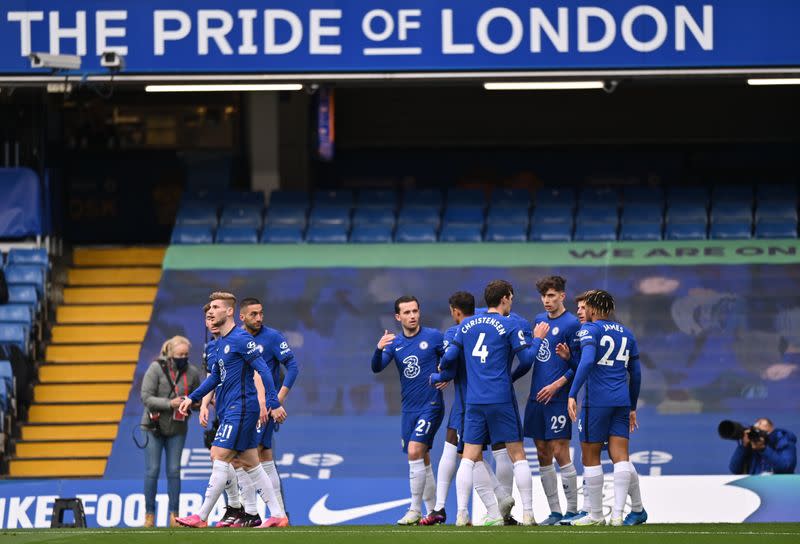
(167, 381)
(765, 449)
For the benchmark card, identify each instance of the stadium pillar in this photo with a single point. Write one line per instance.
(263, 137)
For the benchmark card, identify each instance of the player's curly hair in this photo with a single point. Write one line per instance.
(601, 300)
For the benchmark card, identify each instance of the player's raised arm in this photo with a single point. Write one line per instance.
(382, 357)
(527, 354)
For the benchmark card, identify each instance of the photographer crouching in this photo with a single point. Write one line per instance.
(167, 381)
(762, 448)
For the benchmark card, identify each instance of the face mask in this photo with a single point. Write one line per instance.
(180, 362)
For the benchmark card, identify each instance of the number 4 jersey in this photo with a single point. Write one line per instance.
(608, 355)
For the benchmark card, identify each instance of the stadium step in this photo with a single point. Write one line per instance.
(89, 363)
(92, 353)
(45, 433)
(56, 468)
(130, 256)
(99, 372)
(57, 450)
(109, 295)
(113, 276)
(111, 313)
(98, 334)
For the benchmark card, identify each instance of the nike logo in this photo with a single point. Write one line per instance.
(399, 348)
(322, 515)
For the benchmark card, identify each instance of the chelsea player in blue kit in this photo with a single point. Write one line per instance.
(546, 418)
(236, 357)
(609, 367)
(489, 343)
(416, 353)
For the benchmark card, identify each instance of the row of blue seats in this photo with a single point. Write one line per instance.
(564, 194)
(545, 213)
(7, 392)
(508, 232)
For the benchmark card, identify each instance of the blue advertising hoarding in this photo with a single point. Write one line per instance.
(346, 36)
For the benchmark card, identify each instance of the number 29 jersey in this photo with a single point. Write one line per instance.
(615, 347)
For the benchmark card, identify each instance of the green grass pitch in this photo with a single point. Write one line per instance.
(774, 533)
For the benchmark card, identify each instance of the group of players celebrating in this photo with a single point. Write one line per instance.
(476, 354)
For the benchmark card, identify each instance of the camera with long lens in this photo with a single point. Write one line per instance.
(733, 430)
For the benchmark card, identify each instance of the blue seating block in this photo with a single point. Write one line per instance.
(776, 209)
(374, 216)
(252, 198)
(595, 232)
(468, 197)
(731, 211)
(732, 193)
(640, 231)
(413, 215)
(327, 234)
(686, 231)
(500, 214)
(330, 215)
(237, 235)
(455, 232)
(341, 198)
(242, 216)
(464, 214)
(428, 198)
(687, 213)
(696, 194)
(556, 195)
(371, 234)
(280, 214)
(192, 234)
(282, 234)
(731, 230)
(415, 234)
(642, 213)
(204, 214)
(643, 194)
(552, 213)
(551, 232)
(776, 192)
(599, 197)
(32, 256)
(377, 198)
(776, 228)
(19, 314)
(14, 335)
(22, 294)
(511, 198)
(26, 274)
(508, 232)
(597, 214)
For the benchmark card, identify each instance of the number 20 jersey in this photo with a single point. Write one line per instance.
(615, 347)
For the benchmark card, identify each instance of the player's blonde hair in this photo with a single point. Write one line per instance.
(168, 347)
(228, 298)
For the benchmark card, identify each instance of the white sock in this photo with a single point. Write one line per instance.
(448, 465)
(275, 479)
(522, 474)
(483, 486)
(587, 500)
(633, 490)
(504, 469)
(232, 488)
(265, 491)
(464, 480)
(247, 490)
(499, 490)
(622, 482)
(550, 485)
(416, 478)
(593, 481)
(429, 493)
(569, 481)
(216, 484)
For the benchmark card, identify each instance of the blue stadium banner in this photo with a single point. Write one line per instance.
(345, 36)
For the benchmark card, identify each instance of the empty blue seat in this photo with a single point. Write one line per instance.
(291, 198)
(371, 234)
(7, 375)
(32, 256)
(687, 213)
(597, 214)
(643, 212)
(551, 232)
(415, 234)
(282, 234)
(464, 214)
(377, 198)
(327, 234)
(13, 335)
(603, 197)
(685, 231)
(784, 192)
(461, 233)
(192, 234)
(731, 211)
(732, 193)
(687, 193)
(242, 216)
(374, 216)
(341, 198)
(330, 215)
(552, 213)
(511, 198)
(731, 230)
(254, 198)
(640, 231)
(415, 215)
(286, 214)
(508, 232)
(23, 294)
(237, 235)
(555, 195)
(776, 228)
(595, 232)
(470, 197)
(26, 274)
(501, 214)
(429, 198)
(205, 214)
(19, 314)
(643, 194)
(776, 209)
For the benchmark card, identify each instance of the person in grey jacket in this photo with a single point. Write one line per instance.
(167, 381)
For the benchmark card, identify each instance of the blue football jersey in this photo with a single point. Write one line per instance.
(211, 360)
(549, 366)
(235, 356)
(417, 357)
(275, 351)
(488, 343)
(460, 379)
(606, 375)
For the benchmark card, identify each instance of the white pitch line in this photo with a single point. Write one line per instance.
(160, 532)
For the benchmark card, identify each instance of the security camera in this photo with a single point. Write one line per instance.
(55, 62)
(113, 61)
